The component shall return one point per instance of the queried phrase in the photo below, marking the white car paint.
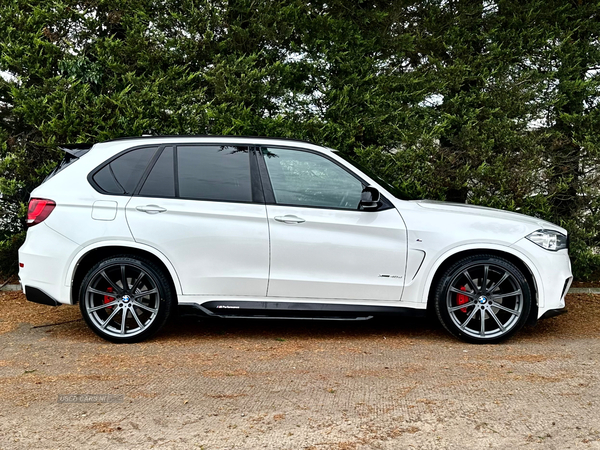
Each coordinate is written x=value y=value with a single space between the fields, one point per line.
x=351 y=255
x=216 y=250
x=467 y=227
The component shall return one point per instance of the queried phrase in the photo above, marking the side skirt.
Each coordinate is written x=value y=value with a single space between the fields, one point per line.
x=296 y=310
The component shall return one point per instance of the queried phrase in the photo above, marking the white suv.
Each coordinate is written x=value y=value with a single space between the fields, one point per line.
x=257 y=227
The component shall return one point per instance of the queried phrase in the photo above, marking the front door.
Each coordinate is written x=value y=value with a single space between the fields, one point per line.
x=323 y=245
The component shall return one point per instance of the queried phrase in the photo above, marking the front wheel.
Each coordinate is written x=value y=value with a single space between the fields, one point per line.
x=483 y=299
x=125 y=299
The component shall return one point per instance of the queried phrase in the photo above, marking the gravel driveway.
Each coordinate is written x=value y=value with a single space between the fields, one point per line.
x=215 y=384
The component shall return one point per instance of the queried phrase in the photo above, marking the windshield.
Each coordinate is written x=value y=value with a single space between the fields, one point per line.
x=390 y=187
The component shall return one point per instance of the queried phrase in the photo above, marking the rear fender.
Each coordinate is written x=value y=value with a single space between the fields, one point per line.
x=125 y=245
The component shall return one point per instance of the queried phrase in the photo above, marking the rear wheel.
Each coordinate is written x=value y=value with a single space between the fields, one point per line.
x=483 y=299
x=125 y=299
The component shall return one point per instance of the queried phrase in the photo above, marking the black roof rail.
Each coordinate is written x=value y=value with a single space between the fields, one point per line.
x=79 y=146
x=203 y=136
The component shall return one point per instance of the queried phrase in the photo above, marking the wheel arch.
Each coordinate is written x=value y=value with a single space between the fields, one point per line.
x=86 y=258
x=520 y=261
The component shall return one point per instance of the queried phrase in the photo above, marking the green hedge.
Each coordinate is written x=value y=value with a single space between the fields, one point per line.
x=486 y=102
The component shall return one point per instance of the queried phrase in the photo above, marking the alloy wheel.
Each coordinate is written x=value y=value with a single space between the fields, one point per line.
x=122 y=300
x=485 y=301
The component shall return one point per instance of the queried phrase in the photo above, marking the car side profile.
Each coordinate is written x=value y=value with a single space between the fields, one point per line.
x=131 y=229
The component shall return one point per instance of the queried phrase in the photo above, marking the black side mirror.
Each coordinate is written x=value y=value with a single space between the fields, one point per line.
x=369 y=198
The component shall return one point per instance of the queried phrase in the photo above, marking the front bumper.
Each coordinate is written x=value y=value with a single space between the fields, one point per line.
x=552 y=274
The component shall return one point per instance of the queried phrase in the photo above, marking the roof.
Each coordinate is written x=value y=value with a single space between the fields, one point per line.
x=163 y=136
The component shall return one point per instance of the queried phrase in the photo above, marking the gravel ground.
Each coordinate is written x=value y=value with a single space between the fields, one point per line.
x=214 y=384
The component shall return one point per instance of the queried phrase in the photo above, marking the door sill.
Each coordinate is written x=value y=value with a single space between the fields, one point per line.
x=296 y=310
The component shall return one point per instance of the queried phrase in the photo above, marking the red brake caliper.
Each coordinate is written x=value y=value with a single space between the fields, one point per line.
x=460 y=299
x=108 y=299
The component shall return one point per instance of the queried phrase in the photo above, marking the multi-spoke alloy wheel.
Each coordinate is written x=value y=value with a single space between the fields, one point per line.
x=125 y=299
x=483 y=299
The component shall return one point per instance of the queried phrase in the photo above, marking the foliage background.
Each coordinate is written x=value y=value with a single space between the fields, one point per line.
x=479 y=101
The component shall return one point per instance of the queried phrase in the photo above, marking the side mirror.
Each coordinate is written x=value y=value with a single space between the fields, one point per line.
x=369 y=198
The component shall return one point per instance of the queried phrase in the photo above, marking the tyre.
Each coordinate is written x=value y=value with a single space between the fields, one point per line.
x=125 y=299
x=483 y=299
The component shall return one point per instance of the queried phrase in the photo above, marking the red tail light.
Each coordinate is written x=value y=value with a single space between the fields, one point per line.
x=39 y=209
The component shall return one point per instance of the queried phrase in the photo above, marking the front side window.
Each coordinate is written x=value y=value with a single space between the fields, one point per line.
x=308 y=179
x=122 y=174
x=214 y=172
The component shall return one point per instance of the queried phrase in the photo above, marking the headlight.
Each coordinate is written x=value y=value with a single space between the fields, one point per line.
x=548 y=239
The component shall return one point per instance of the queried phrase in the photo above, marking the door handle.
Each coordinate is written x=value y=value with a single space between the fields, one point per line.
x=150 y=209
x=289 y=219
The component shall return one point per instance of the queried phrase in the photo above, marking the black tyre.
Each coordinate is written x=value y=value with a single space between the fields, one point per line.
x=125 y=299
x=483 y=299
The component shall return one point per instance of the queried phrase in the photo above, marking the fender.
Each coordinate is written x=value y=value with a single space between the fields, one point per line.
x=432 y=268
x=132 y=244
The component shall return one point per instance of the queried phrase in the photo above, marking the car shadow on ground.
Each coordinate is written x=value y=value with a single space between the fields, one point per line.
x=193 y=327
x=582 y=320
x=196 y=326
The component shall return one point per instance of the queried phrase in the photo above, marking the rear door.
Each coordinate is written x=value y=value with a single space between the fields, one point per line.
x=322 y=244
x=202 y=207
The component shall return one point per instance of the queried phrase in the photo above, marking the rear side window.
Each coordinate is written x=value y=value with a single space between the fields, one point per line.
x=122 y=175
x=161 y=180
x=214 y=172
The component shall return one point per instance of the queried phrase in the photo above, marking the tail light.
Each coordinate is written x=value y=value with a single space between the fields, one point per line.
x=39 y=209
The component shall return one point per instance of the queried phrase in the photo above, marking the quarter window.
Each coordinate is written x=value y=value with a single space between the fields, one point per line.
x=121 y=175
x=307 y=179
x=214 y=172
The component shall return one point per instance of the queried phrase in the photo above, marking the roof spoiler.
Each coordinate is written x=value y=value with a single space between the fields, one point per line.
x=72 y=153
x=75 y=151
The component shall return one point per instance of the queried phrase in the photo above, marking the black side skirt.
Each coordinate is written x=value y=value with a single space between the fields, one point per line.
x=297 y=310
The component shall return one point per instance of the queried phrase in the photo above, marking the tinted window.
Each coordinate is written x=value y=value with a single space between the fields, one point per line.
x=106 y=180
x=161 y=180
x=307 y=179
x=123 y=174
x=214 y=172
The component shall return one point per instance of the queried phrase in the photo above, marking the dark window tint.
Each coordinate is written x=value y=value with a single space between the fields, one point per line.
x=122 y=175
x=129 y=168
x=106 y=180
x=214 y=172
x=307 y=179
x=161 y=180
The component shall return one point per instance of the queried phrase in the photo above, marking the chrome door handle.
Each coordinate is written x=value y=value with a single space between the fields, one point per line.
x=150 y=209
x=289 y=219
